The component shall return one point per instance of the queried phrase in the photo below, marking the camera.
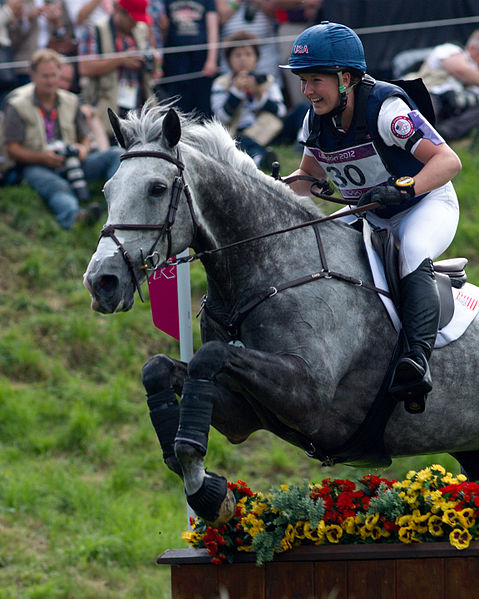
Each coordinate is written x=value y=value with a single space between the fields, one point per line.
x=73 y=172
x=148 y=62
x=250 y=10
x=260 y=79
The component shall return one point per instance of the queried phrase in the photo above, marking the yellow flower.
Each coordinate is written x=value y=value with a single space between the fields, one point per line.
x=450 y=517
x=371 y=521
x=191 y=537
x=404 y=520
x=349 y=526
x=424 y=475
x=284 y=488
x=289 y=533
x=247 y=548
x=310 y=533
x=285 y=544
x=258 y=508
x=410 y=474
x=406 y=534
x=435 y=526
x=460 y=538
x=461 y=478
x=299 y=530
x=377 y=533
x=420 y=521
x=333 y=533
x=466 y=517
x=439 y=468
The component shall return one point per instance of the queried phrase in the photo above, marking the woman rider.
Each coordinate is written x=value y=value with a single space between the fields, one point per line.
x=371 y=141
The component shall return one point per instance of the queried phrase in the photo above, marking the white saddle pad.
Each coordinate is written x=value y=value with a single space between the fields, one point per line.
x=466 y=299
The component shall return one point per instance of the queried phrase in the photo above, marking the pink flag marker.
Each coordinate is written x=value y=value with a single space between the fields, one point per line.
x=163 y=286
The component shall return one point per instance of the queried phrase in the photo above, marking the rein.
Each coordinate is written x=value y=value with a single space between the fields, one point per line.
x=179 y=185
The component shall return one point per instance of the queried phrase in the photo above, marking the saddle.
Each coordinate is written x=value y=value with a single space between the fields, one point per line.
x=449 y=273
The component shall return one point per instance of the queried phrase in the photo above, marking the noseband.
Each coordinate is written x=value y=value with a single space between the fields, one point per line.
x=151 y=261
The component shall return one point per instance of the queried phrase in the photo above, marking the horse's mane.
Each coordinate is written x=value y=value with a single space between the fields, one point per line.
x=209 y=137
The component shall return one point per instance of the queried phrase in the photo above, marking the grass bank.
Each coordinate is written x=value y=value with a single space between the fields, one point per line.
x=85 y=502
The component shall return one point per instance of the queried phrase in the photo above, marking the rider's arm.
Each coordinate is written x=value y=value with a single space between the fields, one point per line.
x=309 y=166
x=396 y=127
x=441 y=164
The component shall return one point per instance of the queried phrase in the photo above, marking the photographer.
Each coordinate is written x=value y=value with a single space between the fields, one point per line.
x=250 y=105
x=45 y=133
x=121 y=82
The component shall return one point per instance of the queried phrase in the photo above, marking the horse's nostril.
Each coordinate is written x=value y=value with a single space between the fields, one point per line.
x=108 y=283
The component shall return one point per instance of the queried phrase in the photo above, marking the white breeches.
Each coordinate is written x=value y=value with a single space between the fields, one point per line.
x=424 y=231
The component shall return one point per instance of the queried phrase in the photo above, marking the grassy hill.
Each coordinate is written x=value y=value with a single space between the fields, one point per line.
x=85 y=501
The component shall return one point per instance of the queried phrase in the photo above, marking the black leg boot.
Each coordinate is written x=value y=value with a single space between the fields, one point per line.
x=411 y=381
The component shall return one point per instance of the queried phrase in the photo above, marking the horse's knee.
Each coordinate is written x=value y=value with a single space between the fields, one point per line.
x=208 y=360
x=156 y=373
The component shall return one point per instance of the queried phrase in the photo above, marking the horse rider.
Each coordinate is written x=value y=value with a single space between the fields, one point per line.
x=371 y=140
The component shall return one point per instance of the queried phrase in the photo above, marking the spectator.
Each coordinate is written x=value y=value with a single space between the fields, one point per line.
x=451 y=75
x=293 y=16
x=42 y=21
x=43 y=123
x=190 y=23
x=10 y=12
x=251 y=105
x=86 y=13
x=98 y=137
x=121 y=83
x=256 y=17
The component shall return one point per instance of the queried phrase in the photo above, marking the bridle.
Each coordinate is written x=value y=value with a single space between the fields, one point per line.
x=151 y=260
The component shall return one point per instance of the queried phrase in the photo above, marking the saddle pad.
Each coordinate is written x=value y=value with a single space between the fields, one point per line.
x=466 y=299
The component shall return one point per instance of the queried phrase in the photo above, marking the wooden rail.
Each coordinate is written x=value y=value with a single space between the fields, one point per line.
x=376 y=571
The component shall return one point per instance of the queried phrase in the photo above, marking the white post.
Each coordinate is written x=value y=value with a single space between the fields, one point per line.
x=186 y=330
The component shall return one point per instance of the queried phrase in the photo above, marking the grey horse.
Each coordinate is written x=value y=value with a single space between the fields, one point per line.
x=303 y=360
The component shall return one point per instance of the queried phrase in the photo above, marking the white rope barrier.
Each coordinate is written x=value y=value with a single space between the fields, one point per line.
x=263 y=41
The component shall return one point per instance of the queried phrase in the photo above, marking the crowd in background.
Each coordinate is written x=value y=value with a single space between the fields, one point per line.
x=170 y=48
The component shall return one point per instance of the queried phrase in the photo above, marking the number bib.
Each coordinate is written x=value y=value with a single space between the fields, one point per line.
x=353 y=170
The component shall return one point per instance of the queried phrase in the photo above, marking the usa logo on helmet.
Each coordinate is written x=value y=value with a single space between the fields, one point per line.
x=300 y=49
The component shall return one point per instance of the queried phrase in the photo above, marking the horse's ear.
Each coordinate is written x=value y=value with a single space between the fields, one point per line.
x=171 y=128
x=116 y=126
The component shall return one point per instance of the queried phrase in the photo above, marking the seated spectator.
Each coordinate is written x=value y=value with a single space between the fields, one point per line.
x=451 y=75
x=188 y=24
x=256 y=17
x=121 y=83
x=44 y=129
x=251 y=105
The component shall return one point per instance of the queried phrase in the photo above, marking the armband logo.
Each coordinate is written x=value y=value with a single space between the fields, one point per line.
x=402 y=127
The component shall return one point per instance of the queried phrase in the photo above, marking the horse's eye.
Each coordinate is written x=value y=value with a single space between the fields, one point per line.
x=157 y=188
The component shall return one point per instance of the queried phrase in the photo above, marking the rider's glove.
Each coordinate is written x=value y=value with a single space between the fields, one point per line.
x=396 y=192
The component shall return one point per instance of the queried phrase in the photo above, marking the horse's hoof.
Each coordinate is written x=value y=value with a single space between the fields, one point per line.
x=214 y=502
x=227 y=510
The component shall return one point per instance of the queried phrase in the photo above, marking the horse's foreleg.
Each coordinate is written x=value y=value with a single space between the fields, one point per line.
x=162 y=376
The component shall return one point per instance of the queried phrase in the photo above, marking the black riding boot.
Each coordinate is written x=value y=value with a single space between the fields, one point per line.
x=411 y=381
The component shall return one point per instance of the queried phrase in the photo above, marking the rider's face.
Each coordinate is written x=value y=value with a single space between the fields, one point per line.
x=321 y=89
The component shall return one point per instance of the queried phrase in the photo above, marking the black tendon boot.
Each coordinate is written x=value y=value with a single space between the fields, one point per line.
x=411 y=381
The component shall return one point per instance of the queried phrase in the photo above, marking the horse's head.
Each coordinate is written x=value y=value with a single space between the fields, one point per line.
x=146 y=200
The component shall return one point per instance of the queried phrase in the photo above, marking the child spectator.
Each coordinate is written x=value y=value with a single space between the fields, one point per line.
x=251 y=105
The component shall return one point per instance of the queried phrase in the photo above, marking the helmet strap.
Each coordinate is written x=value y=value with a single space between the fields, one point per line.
x=343 y=100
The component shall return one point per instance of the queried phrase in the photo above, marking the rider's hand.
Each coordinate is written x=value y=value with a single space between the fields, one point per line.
x=395 y=193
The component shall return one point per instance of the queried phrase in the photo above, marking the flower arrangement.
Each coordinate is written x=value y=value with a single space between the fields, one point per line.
x=429 y=505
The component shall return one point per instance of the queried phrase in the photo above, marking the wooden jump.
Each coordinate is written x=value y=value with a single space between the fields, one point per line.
x=374 y=571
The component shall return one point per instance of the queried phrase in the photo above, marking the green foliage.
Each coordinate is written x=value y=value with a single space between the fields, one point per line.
x=296 y=505
x=86 y=503
x=387 y=503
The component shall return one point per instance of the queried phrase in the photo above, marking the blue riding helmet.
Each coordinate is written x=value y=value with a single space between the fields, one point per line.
x=329 y=47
